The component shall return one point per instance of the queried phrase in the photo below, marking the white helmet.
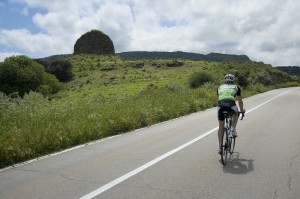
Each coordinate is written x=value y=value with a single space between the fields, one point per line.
x=229 y=78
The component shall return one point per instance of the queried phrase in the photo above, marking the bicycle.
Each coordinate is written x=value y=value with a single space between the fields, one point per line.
x=228 y=140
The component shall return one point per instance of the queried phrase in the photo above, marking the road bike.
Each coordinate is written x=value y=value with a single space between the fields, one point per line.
x=228 y=140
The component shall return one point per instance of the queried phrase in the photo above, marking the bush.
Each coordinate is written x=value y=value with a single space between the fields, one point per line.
x=200 y=78
x=259 y=88
x=62 y=69
x=20 y=74
x=50 y=86
x=243 y=82
x=288 y=84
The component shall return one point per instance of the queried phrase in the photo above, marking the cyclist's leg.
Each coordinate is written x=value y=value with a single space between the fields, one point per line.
x=220 y=135
x=235 y=117
x=221 y=120
x=220 y=131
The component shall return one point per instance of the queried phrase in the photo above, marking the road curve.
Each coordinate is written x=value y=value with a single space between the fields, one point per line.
x=177 y=159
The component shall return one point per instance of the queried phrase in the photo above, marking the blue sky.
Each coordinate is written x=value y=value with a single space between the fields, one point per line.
x=266 y=31
x=14 y=16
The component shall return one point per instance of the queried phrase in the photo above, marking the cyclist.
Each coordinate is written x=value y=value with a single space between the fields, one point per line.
x=228 y=93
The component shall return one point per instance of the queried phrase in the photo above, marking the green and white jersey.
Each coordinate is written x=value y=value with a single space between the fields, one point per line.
x=228 y=92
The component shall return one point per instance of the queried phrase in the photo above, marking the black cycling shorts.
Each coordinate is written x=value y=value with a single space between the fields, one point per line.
x=229 y=106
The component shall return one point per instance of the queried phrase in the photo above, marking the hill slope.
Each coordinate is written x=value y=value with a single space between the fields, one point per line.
x=217 y=57
x=110 y=95
x=291 y=70
x=140 y=55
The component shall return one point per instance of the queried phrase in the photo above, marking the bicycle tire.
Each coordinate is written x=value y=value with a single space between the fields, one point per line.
x=224 y=151
x=232 y=144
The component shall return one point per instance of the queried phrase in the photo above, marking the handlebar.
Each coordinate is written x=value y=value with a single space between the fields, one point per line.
x=243 y=114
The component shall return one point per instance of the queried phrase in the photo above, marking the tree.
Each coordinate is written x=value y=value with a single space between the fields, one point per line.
x=21 y=74
x=62 y=69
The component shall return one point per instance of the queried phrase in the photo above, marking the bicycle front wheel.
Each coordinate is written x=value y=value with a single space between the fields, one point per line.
x=224 y=146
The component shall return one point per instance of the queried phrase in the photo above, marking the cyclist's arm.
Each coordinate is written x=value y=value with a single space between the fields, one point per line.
x=240 y=99
x=240 y=102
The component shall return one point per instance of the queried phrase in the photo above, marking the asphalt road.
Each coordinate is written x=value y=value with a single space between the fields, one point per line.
x=177 y=159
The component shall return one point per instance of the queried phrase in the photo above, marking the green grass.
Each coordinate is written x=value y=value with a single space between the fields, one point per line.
x=35 y=126
x=110 y=96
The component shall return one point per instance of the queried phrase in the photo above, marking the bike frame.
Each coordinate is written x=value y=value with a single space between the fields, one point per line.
x=228 y=141
x=227 y=137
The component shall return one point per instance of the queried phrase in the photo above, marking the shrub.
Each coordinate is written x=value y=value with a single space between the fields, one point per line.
x=259 y=88
x=200 y=78
x=62 y=69
x=20 y=74
x=242 y=81
x=288 y=84
x=50 y=85
x=173 y=87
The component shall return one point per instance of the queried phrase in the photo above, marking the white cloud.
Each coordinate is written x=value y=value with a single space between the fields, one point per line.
x=32 y=43
x=5 y=55
x=264 y=30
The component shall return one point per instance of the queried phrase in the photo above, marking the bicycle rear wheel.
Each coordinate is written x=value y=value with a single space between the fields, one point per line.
x=232 y=145
x=224 y=146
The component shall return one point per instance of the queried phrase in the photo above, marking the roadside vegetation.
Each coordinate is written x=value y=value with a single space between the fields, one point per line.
x=103 y=96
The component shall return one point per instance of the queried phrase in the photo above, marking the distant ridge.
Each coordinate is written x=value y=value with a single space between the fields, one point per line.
x=291 y=70
x=139 y=55
x=218 y=57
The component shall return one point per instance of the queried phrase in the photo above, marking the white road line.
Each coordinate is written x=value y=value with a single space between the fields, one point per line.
x=143 y=167
x=55 y=154
x=156 y=160
x=266 y=102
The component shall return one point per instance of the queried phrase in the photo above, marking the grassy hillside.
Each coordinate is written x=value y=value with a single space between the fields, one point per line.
x=291 y=70
x=109 y=96
x=217 y=57
x=113 y=76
